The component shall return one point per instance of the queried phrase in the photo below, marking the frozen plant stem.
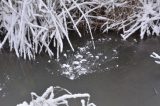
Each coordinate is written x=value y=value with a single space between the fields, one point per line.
x=48 y=98
x=155 y=56
x=30 y=26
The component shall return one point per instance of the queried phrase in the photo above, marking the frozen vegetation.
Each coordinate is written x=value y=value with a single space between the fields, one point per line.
x=32 y=26
x=48 y=98
x=156 y=56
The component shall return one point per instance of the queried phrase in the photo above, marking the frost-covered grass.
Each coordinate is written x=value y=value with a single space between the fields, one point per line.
x=146 y=20
x=48 y=98
x=32 y=26
x=143 y=17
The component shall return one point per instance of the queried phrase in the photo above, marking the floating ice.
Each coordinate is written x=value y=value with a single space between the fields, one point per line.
x=117 y=65
x=100 y=54
x=65 y=55
x=65 y=66
x=115 y=51
x=78 y=56
x=76 y=62
x=49 y=61
x=82 y=49
x=85 y=61
x=97 y=57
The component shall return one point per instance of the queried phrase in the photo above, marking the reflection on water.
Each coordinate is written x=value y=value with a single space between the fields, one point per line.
x=123 y=74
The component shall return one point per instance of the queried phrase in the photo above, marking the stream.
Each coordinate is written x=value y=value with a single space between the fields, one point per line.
x=115 y=73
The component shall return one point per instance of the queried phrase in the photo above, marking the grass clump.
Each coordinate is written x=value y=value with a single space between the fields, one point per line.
x=32 y=26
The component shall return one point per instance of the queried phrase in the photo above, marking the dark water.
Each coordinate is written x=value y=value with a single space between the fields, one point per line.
x=123 y=74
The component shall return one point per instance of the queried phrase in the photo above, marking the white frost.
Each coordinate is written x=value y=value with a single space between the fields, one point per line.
x=156 y=56
x=65 y=66
x=49 y=61
x=97 y=57
x=48 y=98
x=32 y=25
x=78 y=56
x=76 y=62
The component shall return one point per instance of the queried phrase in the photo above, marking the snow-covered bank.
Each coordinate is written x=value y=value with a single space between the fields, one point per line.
x=29 y=27
x=48 y=98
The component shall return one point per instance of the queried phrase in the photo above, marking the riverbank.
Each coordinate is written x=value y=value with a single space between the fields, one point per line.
x=30 y=27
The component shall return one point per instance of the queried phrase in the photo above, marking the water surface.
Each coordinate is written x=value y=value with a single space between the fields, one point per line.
x=116 y=73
